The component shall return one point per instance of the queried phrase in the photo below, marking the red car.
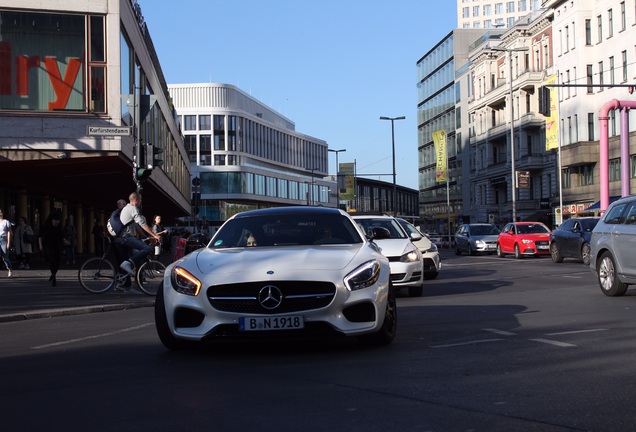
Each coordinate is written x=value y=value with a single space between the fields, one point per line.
x=524 y=239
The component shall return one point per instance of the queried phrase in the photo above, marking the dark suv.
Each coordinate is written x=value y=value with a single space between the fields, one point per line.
x=612 y=247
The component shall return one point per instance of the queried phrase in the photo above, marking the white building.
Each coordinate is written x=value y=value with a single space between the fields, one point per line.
x=246 y=155
x=493 y=13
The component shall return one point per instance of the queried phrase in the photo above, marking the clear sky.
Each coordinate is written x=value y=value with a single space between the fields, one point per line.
x=333 y=67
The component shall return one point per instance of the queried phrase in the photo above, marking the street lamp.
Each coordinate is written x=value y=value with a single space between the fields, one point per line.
x=512 y=130
x=393 y=148
x=337 y=175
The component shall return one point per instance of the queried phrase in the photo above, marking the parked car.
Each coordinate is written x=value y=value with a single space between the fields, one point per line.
x=405 y=258
x=476 y=238
x=524 y=239
x=430 y=254
x=572 y=239
x=612 y=247
x=279 y=271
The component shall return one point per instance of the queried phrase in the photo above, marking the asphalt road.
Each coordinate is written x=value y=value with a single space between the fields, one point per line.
x=493 y=345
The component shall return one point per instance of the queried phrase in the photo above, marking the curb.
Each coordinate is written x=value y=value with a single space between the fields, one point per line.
x=81 y=310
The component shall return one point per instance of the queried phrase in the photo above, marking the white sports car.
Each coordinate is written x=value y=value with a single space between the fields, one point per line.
x=279 y=271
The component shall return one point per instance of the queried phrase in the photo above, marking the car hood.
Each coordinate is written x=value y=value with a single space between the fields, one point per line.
x=486 y=238
x=393 y=247
x=535 y=236
x=278 y=260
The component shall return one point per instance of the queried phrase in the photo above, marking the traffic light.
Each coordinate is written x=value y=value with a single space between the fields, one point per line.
x=142 y=173
x=544 y=101
x=153 y=156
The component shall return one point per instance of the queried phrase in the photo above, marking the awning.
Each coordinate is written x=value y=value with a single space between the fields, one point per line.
x=597 y=204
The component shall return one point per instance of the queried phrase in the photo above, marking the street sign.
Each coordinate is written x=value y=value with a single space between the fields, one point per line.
x=109 y=130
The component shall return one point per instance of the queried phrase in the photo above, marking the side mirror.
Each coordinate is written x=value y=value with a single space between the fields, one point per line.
x=415 y=237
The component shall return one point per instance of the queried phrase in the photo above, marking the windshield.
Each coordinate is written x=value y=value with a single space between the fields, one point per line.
x=532 y=229
x=391 y=224
x=484 y=230
x=286 y=230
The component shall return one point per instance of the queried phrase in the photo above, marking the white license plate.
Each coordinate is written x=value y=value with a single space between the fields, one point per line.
x=271 y=323
x=491 y=247
x=542 y=247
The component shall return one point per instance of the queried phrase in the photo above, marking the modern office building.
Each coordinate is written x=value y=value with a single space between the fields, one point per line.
x=438 y=95
x=489 y=14
x=244 y=155
x=595 y=63
x=80 y=87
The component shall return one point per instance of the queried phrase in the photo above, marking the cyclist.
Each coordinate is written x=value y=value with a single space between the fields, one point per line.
x=137 y=248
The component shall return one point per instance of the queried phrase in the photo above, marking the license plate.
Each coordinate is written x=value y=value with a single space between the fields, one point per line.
x=271 y=323
x=542 y=247
x=491 y=247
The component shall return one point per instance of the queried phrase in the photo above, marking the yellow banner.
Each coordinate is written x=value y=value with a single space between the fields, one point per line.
x=552 y=122
x=439 y=139
x=349 y=170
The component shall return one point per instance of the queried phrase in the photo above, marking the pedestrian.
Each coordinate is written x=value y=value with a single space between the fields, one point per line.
x=51 y=243
x=132 y=218
x=23 y=242
x=69 y=242
x=6 y=240
x=98 y=237
x=157 y=228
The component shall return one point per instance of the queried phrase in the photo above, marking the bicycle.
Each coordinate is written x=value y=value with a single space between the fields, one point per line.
x=99 y=274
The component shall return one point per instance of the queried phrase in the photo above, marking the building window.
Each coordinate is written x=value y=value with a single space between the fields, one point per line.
x=565 y=178
x=632 y=164
x=611 y=70
x=599 y=20
x=498 y=8
x=487 y=10
x=590 y=79
x=219 y=133
x=588 y=32
x=601 y=80
x=624 y=55
x=614 y=170
x=189 y=122
x=590 y=126
x=475 y=11
x=205 y=122
x=623 y=17
x=219 y=159
x=585 y=175
x=610 y=23
x=510 y=7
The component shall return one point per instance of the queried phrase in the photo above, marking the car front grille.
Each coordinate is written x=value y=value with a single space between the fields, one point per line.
x=296 y=296
x=542 y=243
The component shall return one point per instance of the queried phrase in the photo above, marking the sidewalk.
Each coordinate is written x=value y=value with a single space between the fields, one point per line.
x=28 y=294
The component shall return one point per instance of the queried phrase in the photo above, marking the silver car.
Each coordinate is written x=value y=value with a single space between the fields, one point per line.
x=476 y=238
x=287 y=271
x=612 y=247
x=430 y=254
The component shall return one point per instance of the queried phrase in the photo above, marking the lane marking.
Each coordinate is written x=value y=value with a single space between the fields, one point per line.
x=70 y=341
x=475 y=342
x=552 y=342
x=576 y=331
x=500 y=332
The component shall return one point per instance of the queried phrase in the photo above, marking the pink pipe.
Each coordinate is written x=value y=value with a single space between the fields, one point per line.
x=604 y=148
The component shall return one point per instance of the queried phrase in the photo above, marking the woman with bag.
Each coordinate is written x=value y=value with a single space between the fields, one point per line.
x=23 y=242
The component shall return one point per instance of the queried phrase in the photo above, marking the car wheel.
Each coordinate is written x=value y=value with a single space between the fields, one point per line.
x=554 y=253
x=518 y=254
x=416 y=291
x=500 y=253
x=389 y=327
x=585 y=254
x=607 y=277
x=163 y=330
x=431 y=275
x=470 y=250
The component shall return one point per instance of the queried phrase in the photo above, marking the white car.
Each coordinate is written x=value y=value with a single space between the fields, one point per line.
x=430 y=254
x=398 y=247
x=296 y=271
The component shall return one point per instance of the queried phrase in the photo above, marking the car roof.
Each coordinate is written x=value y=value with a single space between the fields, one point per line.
x=298 y=210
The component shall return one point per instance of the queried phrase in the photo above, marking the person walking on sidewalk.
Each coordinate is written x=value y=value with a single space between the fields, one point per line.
x=5 y=241
x=50 y=241
x=23 y=242
x=137 y=248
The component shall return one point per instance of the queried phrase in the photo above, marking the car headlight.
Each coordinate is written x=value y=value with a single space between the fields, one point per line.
x=480 y=243
x=364 y=276
x=526 y=241
x=410 y=255
x=183 y=282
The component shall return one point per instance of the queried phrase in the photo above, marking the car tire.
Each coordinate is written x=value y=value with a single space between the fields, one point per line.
x=163 y=330
x=416 y=291
x=518 y=254
x=385 y=335
x=500 y=253
x=607 y=277
x=585 y=253
x=554 y=253
x=470 y=250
